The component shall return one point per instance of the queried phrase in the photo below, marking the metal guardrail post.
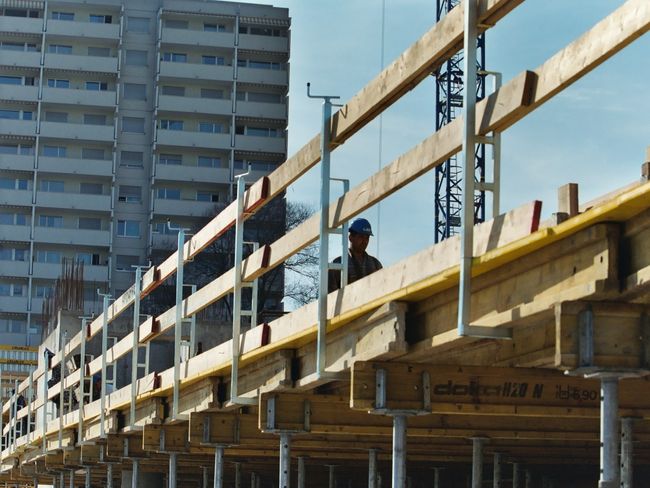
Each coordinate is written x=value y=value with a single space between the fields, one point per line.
x=102 y=396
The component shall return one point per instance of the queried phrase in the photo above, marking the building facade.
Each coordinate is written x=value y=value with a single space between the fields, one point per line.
x=117 y=116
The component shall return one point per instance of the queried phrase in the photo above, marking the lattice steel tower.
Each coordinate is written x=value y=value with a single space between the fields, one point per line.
x=449 y=101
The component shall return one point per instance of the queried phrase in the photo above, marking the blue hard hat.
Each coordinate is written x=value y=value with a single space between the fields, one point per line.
x=361 y=226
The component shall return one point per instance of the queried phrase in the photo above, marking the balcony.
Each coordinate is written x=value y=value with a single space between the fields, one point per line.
x=61 y=130
x=88 y=98
x=181 y=138
x=262 y=110
x=52 y=271
x=185 y=208
x=20 y=58
x=82 y=30
x=76 y=62
x=14 y=268
x=15 y=233
x=198 y=38
x=260 y=144
x=16 y=197
x=90 y=167
x=18 y=127
x=264 y=43
x=101 y=203
x=194 y=105
x=79 y=237
x=263 y=76
x=196 y=71
x=19 y=93
x=16 y=162
x=179 y=172
x=13 y=304
x=164 y=241
x=19 y=25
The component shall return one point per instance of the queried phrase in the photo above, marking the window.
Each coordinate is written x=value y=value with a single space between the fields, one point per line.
x=59 y=49
x=214 y=27
x=171 y=124
x=51 y=186
x=175 y=57
x=100 y=19
x=50 y=221
x=211 y=93
x=128 y=228
x=102 y=52
x=177 y=91
x=12 y=219
x=264 y=97
x=92 y=153
x=22 y=149
x=267 y=31
x=54 y=151
x=135 y=57
x=88 y=258
x=11 y=80
x=209 y=162
x=13 y=184
x=18 y=46
x=174 y=159
x=135 y=91
x=10 y=114
x=94 y=119
x=132 y=159
x=130 y=194
x=53 y=257
x=55 y=83
x=43 y=291
x=169 y=193
x=133 y=124
x=176 y=24
x=89 y=223
x=259 y=131
x=219 y=60
x=204 y=196
x=63 y=15
x=96 y=85
x=56 y=116
x=14 y=326
x=124 y=262
x=91 y=188
x=212 y=127
x=138 y=24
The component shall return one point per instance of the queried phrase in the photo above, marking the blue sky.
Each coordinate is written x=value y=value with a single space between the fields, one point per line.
x=595 y=133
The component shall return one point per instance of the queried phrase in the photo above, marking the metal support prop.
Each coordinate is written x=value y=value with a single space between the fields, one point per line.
x=82 y=379
x=171 y=481
x=236 y=302
x=323 y=240
x=14 y=415
x=62 y=479
x=61 y=389
x=477 y=459
x=136 y=340
x=468 y=158
x=254 y=285
x=515 y=475
x=496 y=479
x=102 y=395
x=372 y=468
x=237 y=475
x=332 y=478
x=72 y=478
x=87 y=480
x=193 y=289
x=399 y=451
x=436 y=477
x=344 y=239
x=627 y=451
x=285 y=460
x=218 y=467
x=35 y=482
x=204 y=470
x=45 y=402
x=609 y=436
x=109 y=475
x=301 y=472
x=135 y=473
x=30 y=399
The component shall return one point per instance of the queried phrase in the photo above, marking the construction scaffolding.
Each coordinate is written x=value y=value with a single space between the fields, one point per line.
x=386 y=388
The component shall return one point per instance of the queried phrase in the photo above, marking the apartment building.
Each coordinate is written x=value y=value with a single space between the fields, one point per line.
x=117 y=116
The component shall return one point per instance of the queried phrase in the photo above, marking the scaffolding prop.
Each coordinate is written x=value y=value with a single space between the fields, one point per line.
x=102 y=396
x=136 y=341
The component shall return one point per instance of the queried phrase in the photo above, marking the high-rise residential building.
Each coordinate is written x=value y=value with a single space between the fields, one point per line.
x=117 y=116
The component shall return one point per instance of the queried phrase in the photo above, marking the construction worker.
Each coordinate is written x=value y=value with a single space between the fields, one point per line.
x=360 y=263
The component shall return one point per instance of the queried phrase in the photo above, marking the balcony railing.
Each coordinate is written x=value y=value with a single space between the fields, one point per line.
x=260 y=144
x=195 y=105
x=81 y=63
x=91 y=167
x=73 y=201
x=83 y=30
x=196 y=71
x=18 y=93
x=198 y=38
x=65 y=235
x=79 y=97
x=192 y=173
x=186 y=208
x=16 y=197
x=15 y=233
x=62 y=130
x=16 y=162
x=13 y=304
x=193 y=139
x=9 y=127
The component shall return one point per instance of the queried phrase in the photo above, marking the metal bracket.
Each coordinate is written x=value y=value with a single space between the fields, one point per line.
x=381 y=405
x=586 y=337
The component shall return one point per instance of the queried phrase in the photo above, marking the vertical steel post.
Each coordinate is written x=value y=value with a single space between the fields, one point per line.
x=301 y=472
x=609 y=435
x=627 y=451
x=515 y=475
x=109 y=475
x=331 y=481
x=72 y=478
x=136 y=340
x=35 y=482
x=135 y=473
x=496 y=480
x=171 y=482
x=204 y=484
x=30 y=399
x=62 y=479
x=372 y=468
x=45 y=402
x=192 y=328
x=285 y=460
x=237 y=475
x=61 y=389
x=102 y=402
x=218 y=467
x=436 y=477
x=399 y=451
x=87 y=479
x=179 y=322
x=82 y=380
x=477 y=456
x=496 y=159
